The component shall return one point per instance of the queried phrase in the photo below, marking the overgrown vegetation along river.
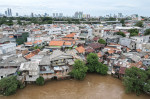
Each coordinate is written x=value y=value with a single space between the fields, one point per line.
x=92 y=87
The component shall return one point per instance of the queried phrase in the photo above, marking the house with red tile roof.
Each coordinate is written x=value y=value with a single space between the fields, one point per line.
x=80 y=49
x=56 y=43
x=31 y=54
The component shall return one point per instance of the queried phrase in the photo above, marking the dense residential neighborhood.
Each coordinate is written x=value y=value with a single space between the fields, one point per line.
x=50 y=51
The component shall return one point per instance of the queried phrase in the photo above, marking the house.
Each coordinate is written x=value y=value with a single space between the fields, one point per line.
x=11 y=61
x=6 y=72
x=75 y=54
x=8 y=48
x=68 y=44
x=89 y=50
x=46 y=70
x=95 y=39
x=56 y=44
x=128 y=43
x=70 y=36
x=80 y=50
x=29 y=71
x=96 y=46
x=5 y=40
x=85 y=34
x=28 y=44
x=122 y=72
x=22 y=51
x=61 y=63
x=31 y=54
x=146 y=62
x=113 y=39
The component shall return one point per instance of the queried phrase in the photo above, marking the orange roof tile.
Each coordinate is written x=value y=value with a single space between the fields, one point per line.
x=99 y=54
x=28 y=43
x=70 y=35
x=37 y=41
x=138 y=50
x=35 y=30
x=32 y=53
x=111 y=51
x=67 y=39
x=146 y=56
x=80 y=49
x=113 y=44
x=11 y=36
x=56 y=43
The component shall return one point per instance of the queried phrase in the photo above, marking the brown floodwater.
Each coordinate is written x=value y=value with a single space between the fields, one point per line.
x=93 y=87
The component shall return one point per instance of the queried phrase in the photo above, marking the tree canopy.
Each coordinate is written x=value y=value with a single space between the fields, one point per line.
x=139 y=24
x=121 y=33
x=101 y=41
x=133 y=32
x=40 y=81
x=8 y=85
x=94 y=65
x=136 y=80
x=79 y=70
x=92 y=62
x=147 y=32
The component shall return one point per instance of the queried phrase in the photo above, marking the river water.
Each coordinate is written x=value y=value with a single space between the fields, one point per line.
x=93 y=87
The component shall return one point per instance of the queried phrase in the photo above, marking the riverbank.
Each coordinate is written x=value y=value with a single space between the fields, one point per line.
x=93 y=86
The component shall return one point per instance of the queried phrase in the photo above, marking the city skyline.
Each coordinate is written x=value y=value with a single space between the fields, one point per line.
x=68 y=8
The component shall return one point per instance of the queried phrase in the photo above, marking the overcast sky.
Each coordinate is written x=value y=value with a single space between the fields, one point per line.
x=68 y=7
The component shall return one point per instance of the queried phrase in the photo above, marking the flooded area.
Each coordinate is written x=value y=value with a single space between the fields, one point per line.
x=93 y=87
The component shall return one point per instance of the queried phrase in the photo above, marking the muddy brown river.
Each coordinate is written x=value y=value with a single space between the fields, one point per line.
x=93 y=87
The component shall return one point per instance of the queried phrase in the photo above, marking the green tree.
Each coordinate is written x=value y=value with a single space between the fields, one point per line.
x=122 y=21
x=79 y=70
x=134 y=80
x=147 y=32
x=139 y=24
x=133 y=32
x=92 y=62
x=40 y=81
x=102 y=69
x=19 y=22
x=120 y=33
x=8 y=85
x=22 y=39
x=101 y=41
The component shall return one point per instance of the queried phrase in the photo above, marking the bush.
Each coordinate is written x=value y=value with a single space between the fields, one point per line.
x=40 y=81
x=101 y=41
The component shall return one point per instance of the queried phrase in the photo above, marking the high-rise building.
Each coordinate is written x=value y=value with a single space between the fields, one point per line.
x=10 y=14
x=54 y=15
x=6 y=13
x=120 y=15
x=78 y=15
x=32 y=15
x=17 y=14
x=60 y=15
